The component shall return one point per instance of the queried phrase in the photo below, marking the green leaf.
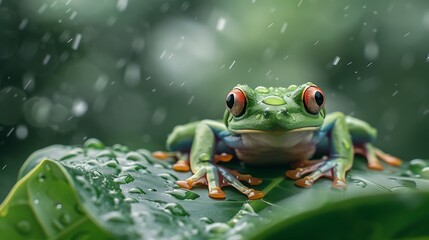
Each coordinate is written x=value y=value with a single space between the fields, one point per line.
x=111 y=192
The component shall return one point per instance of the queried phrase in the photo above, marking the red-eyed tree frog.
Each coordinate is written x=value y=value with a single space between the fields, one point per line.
x=275 y=125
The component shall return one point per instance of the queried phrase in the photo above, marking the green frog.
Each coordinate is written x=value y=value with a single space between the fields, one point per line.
x=272 y=126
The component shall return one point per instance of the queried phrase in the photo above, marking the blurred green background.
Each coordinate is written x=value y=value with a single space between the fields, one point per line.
x=128 y=71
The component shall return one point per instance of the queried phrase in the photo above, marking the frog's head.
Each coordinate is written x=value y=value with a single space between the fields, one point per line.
x=274 y=109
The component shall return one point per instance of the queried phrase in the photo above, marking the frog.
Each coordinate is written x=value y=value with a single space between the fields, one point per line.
x=282 y=126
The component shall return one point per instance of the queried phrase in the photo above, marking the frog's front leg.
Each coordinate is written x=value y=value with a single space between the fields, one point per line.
x=203 y=167
x=340 y=158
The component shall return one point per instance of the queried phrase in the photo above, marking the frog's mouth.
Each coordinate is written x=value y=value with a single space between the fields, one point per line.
x=275 y=132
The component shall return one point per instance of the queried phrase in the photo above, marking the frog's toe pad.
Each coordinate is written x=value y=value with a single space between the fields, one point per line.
x=253 y=194
x=294 y=174
x=375 y=165
x=181 y=166
x=339 y=184
x=185 y=184
x=217 y=193
x=305 y=182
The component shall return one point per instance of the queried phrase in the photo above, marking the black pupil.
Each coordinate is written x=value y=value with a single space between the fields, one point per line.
x=319 y=98
x=230 y=101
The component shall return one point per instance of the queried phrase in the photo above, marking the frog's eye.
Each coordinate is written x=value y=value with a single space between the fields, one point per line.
x=314 y=99
x=236 y=102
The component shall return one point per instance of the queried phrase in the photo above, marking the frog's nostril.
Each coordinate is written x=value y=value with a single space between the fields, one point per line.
x=266 y=112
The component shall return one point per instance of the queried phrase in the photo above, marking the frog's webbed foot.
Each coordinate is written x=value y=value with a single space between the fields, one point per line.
x=182 y=164
x=374 y=155
x=216 y=177
x=334 y=168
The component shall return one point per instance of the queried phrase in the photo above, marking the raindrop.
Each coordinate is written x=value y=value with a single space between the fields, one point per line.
x=120 y=148
x=101 y=83
x=23 y=24
x=159 y=116
x=65 y=219
x=395 y=93
x=46 y=59
x=76 y=41
x=221 y=22
x=113 y=216
x=93 y=143
x=425 y=173
x=168 y=176
x=73 y=15
x=136 y=190
x=105 y=153
x=191 y=100
x=124 y=179
x=336 y=61
x=121 y=5
x=135 y=156
x=217 y=228
x=36 y=201
x=79 y=107
x=132 y=75
x=42 y=177
x=183 y=194
x=130 y=200
x=283 y=29
x=206 y=220
x=371 y=50
x=232 y=64
x=10 y=132
x=58 y=206
x=175 y=209
x=112 y=164
x=21 y=132
x=23 y=226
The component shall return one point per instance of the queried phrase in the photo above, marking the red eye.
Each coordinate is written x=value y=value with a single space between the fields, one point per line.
x=314 y=99
x=236 y=102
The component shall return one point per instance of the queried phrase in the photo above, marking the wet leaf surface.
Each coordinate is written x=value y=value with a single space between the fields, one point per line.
x=113 y=192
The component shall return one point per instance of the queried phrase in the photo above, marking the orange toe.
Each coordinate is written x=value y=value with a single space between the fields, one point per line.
x=339 y=184
x=217 y=193
x=304 y=182
x=160 y=155
x=181 y=166
x=185 y=184
x=294 y=174
x=254 y=194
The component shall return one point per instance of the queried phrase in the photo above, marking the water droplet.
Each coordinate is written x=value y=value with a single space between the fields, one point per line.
x=112 y=164
x=105 y=153
x=425 y=173
x=72 y=153
x=218 y=228
x=42 y=177
x=206 y=220
x=113 y=216
x=65 y=219
x=36 y=201
x=292 y=87
x=136 y=190
x=124 y=179
x=133 y=168
x=120 y=148
x=175 y=209
x=59 y=206
x=358 y=182
x=93 y=143
x=416 y=165
x=130 y=200
x=274 y=100
x=135 y=156
x=168 y=176
x=262 y=89
x=23 y=226
x=183 y=194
